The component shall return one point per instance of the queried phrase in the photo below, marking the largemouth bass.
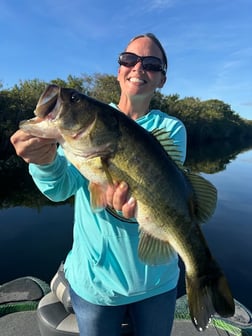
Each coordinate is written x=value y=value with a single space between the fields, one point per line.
x=105 y=146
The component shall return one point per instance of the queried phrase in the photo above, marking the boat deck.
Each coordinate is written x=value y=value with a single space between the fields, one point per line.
x=18 y=314
x=25 y=324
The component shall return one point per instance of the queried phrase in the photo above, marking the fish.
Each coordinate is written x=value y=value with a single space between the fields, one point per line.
x=105 y=145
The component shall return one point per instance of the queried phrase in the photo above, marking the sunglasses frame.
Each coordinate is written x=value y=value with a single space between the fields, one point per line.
x=141 y=59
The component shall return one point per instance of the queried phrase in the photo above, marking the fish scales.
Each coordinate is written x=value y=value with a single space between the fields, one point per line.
x=106 y=146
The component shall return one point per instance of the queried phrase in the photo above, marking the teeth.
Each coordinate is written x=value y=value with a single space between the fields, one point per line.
x=136 y=80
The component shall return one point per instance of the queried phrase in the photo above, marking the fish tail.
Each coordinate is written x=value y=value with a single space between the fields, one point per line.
x=207 y=295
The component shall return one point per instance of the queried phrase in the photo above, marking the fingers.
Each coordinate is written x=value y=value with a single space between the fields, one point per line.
x=110 y=194
x=129 y=208
x=120 y=195
x=118 y=198
x=33 y=149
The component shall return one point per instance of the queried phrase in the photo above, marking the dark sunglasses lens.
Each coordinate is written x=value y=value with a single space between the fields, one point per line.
x=152 y=64
x=149 y=63
x=128 y=60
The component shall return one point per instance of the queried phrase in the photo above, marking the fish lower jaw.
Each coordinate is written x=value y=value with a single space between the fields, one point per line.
x=43 y=129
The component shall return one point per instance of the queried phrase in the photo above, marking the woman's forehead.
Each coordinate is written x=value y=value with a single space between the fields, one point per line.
x=144 y=46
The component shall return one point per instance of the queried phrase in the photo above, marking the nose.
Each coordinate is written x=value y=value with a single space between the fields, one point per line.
x=138 y=65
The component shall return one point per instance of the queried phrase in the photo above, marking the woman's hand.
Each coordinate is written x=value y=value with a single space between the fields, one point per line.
x=118 y=198
x=32 y=149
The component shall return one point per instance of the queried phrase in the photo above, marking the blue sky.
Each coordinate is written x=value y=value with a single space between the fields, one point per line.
x=208 y=42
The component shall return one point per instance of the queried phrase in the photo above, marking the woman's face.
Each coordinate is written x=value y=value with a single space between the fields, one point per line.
x=135 y=81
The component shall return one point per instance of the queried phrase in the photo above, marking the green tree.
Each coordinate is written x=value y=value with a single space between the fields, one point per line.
x=205 y=121
x=105 y=88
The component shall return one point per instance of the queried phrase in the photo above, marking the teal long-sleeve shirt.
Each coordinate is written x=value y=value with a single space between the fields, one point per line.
x=103 y=265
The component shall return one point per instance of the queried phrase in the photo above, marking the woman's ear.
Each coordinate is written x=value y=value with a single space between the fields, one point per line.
x=118 y=73
x=162 y=81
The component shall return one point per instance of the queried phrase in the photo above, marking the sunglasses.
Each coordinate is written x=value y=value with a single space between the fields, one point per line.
x=149 y=63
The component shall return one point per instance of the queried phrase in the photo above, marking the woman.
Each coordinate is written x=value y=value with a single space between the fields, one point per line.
x=105 y=275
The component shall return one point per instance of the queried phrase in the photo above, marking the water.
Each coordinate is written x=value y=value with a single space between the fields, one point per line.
x=34 y=241
x=229 y=232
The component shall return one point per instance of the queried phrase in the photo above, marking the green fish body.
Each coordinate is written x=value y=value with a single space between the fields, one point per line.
x=105 y=146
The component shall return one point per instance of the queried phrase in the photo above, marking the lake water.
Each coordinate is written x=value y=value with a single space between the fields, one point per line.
x=33 y=242
x=229 y=231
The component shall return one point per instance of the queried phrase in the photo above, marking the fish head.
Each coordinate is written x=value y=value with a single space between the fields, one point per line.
x=65 y=108
x=80 y=123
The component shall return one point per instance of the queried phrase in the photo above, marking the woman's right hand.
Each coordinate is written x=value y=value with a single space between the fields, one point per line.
x=118 y=198
x=32 y=149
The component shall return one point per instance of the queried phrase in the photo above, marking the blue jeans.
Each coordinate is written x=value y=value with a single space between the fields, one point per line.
x=149 y=317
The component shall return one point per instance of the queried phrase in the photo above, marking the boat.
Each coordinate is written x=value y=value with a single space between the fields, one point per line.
x=31 y=307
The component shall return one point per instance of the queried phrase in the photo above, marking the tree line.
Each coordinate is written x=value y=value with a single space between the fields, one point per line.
x=206 y=121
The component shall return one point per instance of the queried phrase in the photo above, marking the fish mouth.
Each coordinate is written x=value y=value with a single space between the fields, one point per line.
x=46 y=106
x=51 y=107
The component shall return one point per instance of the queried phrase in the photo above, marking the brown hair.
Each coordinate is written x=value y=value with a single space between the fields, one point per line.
x=157 y=42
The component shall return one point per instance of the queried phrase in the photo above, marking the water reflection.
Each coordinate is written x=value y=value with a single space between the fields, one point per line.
x=214 y=157
x=34 y=242
x=229 y=231
x=36 y=234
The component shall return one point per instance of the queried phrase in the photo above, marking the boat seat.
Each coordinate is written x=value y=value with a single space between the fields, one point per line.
x=54 y=319
x=21 y=294
x=55 y=313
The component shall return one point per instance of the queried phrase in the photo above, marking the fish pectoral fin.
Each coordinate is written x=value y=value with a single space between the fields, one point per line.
x=104 y=163
x=205 y=194
x=98 y=198
x=153 y=251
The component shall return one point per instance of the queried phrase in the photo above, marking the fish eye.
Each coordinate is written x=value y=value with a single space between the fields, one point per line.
x=75 y=97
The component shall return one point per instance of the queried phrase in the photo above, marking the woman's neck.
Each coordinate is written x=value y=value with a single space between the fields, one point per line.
x=133 y=108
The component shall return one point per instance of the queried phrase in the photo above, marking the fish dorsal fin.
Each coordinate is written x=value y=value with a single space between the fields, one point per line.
x=164 y=138
x=205 y=195
x=153 y=251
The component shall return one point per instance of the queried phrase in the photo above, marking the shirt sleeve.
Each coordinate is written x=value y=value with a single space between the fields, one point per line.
x=58 y=180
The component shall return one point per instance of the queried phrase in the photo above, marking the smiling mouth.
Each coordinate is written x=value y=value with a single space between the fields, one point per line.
x=136 y=80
